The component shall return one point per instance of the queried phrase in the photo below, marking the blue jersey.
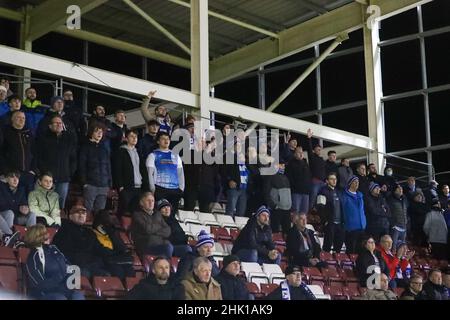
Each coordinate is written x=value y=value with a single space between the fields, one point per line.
x=166 y=165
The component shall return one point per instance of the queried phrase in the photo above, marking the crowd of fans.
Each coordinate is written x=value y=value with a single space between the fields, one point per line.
x=44 y=151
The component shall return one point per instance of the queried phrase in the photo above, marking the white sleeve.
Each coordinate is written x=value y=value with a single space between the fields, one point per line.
x=150 y=162
x=179 y=162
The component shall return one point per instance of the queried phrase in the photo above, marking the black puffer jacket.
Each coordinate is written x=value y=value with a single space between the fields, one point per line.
x=377 y=212
x=299 y=176
x=254 y=237
x=57 y=154
x=94 y=166
x=150 y=289
x=16 y=151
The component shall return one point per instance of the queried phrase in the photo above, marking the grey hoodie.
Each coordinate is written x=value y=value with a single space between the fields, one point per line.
x=435 y=227
x=135 y=161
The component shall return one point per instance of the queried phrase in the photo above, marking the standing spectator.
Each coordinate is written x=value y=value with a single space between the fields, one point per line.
x=373 y=175
x=149 y=231
x=302 y=246
x=178 y=237
x=14 y=104
x=128 y=174
x=445 y=197
x=16 y=152
x=436 y=230
x=254 y=243
x=299 y=175
x=369 y=261
x=414 y=290
x=293 y=288
x=209 y=180
x=433 y=288
x=159 y=284
x=432 y=192
x=362 y=177
x=4 y=81
x=330 y=164
x=418 y=211
x=79 y=244
x=331 y=214
x=98 y=118
x=354 y=215
x=381 y=293
x=148 y=143
x=203 y=248
x=344 y=173
x=56 y=153
x=94 y=169
x=165 y=172
x=161 y=115
x=33 y=109
x=277 y=194
x=389 y=179
x=317 y=165
x=74 y=114
x=114 y=252
x=199 y=285
x=118 y=130
x=410 y=189
x=399 y=212
x=232 y=287
x=4 y=108
x=13 y=198
x=46 y=268
x=44 y=201
x=288 y=149
x=377 y=212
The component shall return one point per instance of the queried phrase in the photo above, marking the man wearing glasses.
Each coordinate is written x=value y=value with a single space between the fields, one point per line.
x=414 y=291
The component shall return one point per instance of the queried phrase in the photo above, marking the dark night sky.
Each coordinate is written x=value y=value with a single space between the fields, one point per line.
x=342 y=80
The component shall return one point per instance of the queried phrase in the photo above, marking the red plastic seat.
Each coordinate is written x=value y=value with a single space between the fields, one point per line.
x=278 y=239
x=147 y=261
x=7 y=256
x=253 y=289
x=174 y=263
x=125 y=239
x=267 y=288
x=22 y=255
x=131 y=282
x=336 y=293
x=348 y=275
x=312 y=273
x=234 y=233
x=318 y=283
x=328 y=258
x=109 y=287
x=137 y=264
x=9 y=278
x=22 y=229
x=221 y=234
x=87 y=288
x=51 y=233
x=331 y=274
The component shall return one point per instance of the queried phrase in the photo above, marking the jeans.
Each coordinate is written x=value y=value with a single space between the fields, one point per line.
x=300 y=202
x=165 y=250
x=316 y=185
x=95 y=197
x=397 y=236
x=236 y=200
x=251 y=255
x=6 y=222
x=62 y=189
x=27 y=220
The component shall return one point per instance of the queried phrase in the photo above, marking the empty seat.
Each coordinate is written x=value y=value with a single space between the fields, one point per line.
x=220 y=233
x=278 y=239
x=318 y=283
x=185 y=228
x=351 y=292
x=312 y=273
x=240 y=221
x=196 y=228
x=274 y=272
x=109 y=287
x=147 y=261
x=87 y=288
x=342 y=259
x=7 y=256
x=188 y=217
x=332 y=275
x=219 y=250
x=174 y=263
x=318 y=292
x=207 y=219
x=268 y=288
x=226 y=221
x=131 y=282
x=253 y=289
x=254 y=273
x=137 y=263
x=9 y=278
x=349 y=275
x=328 y=258
x=336 y=293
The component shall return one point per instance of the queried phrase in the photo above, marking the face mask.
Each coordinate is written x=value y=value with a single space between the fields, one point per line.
x=389 y=172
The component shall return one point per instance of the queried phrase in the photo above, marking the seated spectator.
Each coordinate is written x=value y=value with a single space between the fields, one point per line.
x=292 y=288
x=399 y=211
x=382 y=292
x=199 y=284
x=44 y=201
x=149 y=231
x=369 y=261
x=203 y=248
x=232 y=287
x=433 y=288
x=446 y=281
x=389 y=258
x=414 y=289
x=47 y=268
x=14 y=104
x=56 y=152
x=7 y=235
x=116 y=256
x=159 y=284
x=354 y=215
x=16 y=151
x=178 y=237
x=254 y=243
x=436 y=230
x=404 y=269
x=13 y=197
x=165 y=172
x=418 y=211
x=377 y=212
x=79 y=244
x=128 y=174
x=302 y=247
x=94 y=169
x=329 y=206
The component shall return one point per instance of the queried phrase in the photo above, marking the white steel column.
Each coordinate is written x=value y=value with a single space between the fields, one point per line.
x=200 y=58
x=26 y=45
x=374 y=88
